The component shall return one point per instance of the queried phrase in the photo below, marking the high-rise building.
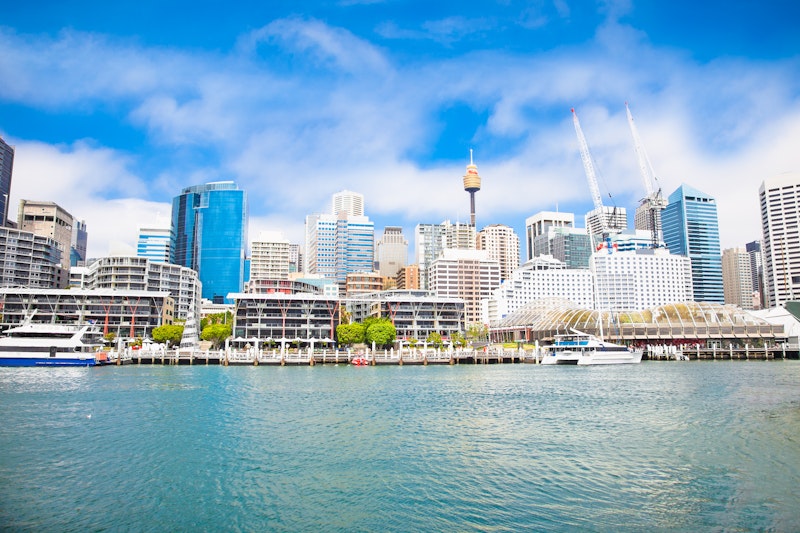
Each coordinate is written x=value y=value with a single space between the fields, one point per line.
x=30 y=260
x=80 y=238
x=640 y=279
x=341 y=243
x=48 y=220
x=537 y=231
x=154 y=244
x=432 y=239
x=737 y=278
x=466 y=274
x=756 y=256
x=407 y=278
x=541 y=277
x=350 y=202
x=616 y=219
x=502 y=245
x=209 y=235
x=391 y=251
x=269 y=257
x=6 y=169
x=691 y=228
x=780 y=219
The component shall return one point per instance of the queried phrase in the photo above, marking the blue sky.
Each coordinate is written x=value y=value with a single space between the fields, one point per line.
x=114 y=107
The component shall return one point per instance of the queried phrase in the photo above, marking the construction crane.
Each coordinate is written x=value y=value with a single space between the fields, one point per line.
x=591 y=177
x=653 y=202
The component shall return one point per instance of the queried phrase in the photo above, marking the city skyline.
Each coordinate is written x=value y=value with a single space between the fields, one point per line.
x=115 y=114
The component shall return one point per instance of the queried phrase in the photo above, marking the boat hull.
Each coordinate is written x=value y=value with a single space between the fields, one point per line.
x=47 y=361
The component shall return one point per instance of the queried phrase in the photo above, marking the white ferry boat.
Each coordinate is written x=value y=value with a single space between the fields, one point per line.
x=51 y=345
x=579 y=348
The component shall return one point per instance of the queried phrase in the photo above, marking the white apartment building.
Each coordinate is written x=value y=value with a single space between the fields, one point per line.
x=541 y=277
x=466 y=274
x=30 y=260
x=130 y=273
x=737 y=278
x=154 y=244
x=270 y=256
x=780 y=223
x=640 y=279
x=502 y=245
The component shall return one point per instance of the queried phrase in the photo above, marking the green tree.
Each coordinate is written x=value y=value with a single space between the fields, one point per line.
x=435 y=339
x=458 y=340
x=382 y=332
x=168 y=332
x=110 y=337
x=477 y=332
x=216 y=333
x=216 y=318
x=350 y=333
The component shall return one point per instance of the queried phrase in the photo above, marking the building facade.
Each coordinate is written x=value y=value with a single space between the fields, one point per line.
x=48 y=220
x=209 y=235
x=466 y=274
x=6 y=170
x=541 y=277
x=349 y=202
x=407 y=278
x=271 y=317
x=153 y=243
x=756 y=255
x=133 y=273
x=80 y=240
x=432 y=239
x=502 y=245
x=616 y=219
x=640 y=279
x=391 y=251
x=30 y=260
x=363 y=283
x=779 y=197
x=737 y=278
x=270 y=257
x=691 y=228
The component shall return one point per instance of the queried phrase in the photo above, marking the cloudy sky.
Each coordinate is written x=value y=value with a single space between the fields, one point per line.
x=114 y=107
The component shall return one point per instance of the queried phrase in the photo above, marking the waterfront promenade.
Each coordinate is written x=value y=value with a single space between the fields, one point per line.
x=420 y=356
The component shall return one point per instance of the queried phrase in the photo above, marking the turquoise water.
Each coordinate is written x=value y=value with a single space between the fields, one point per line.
x=657 y=446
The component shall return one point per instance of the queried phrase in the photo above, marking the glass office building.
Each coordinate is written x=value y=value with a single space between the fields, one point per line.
x=209 y=235
x=691 y=227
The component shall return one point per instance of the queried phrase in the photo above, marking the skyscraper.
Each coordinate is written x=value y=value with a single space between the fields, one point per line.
x=154 y=244
x=6 y=168
x=391 y=251
x=737 y=278
x=691 y=228
x=350 y=202
x=48 y=220
x=472 y=184
x=269 y=256
x=209 y=235
x=502 y=245
x=80 y=238
x=756 y=256
x=780 y=219
x=431 y=240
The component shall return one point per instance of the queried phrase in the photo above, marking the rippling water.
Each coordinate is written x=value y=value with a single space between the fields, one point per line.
x=657 y=446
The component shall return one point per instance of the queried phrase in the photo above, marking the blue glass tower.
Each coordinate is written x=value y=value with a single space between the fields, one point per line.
x=691 y=228
x=209 y=235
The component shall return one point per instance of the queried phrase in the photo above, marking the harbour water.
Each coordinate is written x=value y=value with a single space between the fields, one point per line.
x=670 y=446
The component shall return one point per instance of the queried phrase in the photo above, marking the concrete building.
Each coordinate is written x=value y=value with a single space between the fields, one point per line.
x=6 y=171
x=466 y=274
x=640 y=279
x=616 y=219
x=502 y=245
x=737 y=278
x=780 y=219
x=408 y=278
x=415 y=314
x=126 y=313
x=391 y=251
x=541 y=277
x=756 y=256
x=691 y=228
x=48 y=220
x=363 y=283
x=153 y=243
x=132 y=273
x=295 y=258
x=348 y=202
x=537 y=231
x=270 y=257
x=432 y=239
x=30 y=260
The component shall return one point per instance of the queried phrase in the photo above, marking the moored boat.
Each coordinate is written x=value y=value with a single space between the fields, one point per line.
x=579 y=348
x=32 y=344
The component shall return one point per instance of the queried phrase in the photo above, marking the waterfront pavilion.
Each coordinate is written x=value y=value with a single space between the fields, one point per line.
x=685 y=323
